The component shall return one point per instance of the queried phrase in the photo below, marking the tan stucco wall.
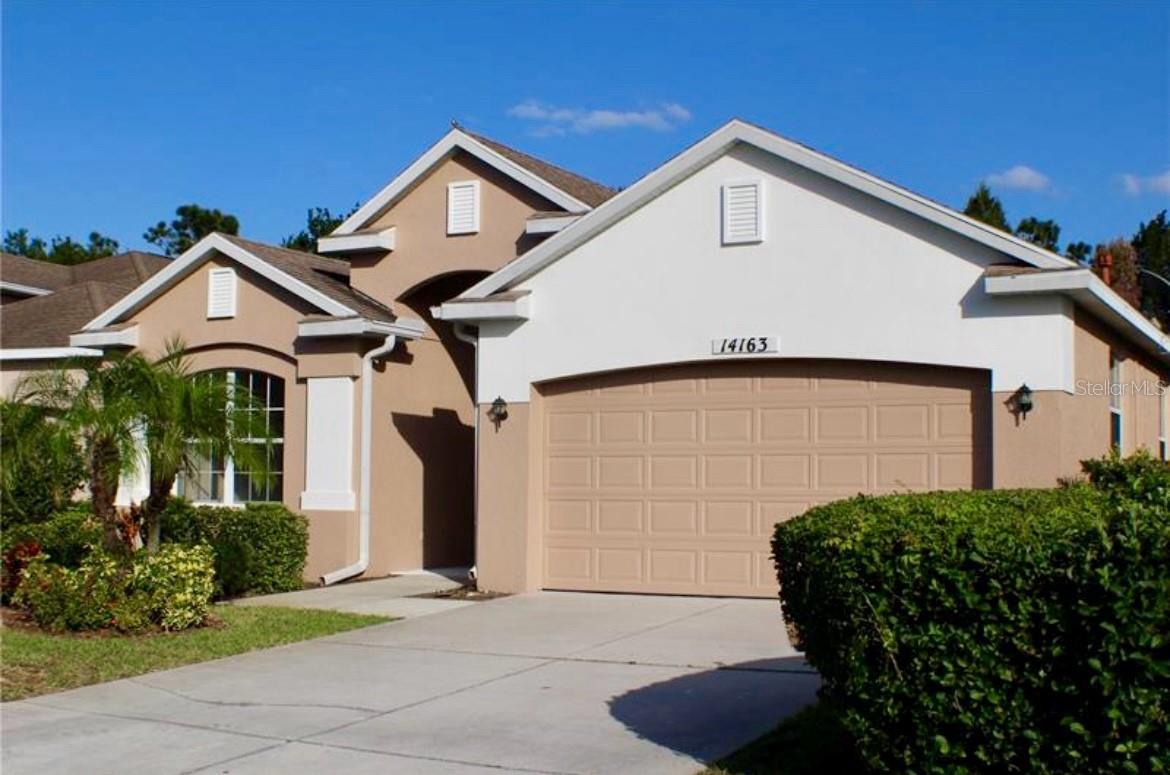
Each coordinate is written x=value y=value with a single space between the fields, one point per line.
x=13 y=372
x=423 y=455
x=262 y=336
x=424 y=250
x=508 y=527
x=1064 y=428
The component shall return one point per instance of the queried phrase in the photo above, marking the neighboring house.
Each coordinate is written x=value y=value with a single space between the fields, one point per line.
x=576 y=388
x=44 y=303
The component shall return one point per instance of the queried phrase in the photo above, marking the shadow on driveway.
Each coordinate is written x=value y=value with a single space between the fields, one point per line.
x=709 y=714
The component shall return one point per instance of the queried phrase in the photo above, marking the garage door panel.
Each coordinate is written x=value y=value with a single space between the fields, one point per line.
x=671 y=480
x=620 y=517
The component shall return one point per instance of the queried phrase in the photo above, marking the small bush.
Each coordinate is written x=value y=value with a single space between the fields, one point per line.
x=16 y=559
x=260 y=548
x=171 y=590
x=40 y=468
x=177 y=583
x=67 y=537
x=993 y=631
x=61 y=598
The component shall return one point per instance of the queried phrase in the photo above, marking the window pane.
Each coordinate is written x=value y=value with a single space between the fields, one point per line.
x=1115 y=429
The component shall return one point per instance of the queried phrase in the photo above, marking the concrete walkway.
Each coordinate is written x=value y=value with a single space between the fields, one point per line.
x=391 y=596
x=549 y=683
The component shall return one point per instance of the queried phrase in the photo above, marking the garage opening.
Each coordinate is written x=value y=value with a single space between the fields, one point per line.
x=670 y=479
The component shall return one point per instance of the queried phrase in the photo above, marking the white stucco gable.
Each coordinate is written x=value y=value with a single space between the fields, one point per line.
x=840 y=273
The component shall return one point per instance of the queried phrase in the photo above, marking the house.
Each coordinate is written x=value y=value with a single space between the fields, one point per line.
x=503 y=363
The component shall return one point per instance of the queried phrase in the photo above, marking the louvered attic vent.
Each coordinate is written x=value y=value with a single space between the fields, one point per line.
x=743 y=212
x=463 y=207
x=221 y=293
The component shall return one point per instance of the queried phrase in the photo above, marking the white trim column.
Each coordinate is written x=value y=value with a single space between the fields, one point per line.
x=329 y=439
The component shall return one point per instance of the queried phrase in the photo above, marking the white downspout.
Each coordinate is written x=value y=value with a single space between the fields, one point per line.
x=363 y=560
x=463 y=334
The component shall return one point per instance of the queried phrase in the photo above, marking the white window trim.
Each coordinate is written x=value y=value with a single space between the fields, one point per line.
x=725 y=214
x=230 y=312
x=1116 y=377
x=1164 y=422
x=451 y=228
x=229 y=465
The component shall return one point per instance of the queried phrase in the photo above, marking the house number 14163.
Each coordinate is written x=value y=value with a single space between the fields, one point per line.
x=745 y=345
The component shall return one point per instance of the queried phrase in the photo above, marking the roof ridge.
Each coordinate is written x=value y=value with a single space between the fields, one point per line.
x=599 y=191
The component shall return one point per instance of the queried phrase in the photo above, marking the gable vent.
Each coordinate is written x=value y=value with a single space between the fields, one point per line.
x=743 y=212
x=221 y=293
x=463 y=207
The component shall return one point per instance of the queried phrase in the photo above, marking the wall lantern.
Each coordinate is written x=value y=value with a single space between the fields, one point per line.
x=498 y=411
x=1023 y=400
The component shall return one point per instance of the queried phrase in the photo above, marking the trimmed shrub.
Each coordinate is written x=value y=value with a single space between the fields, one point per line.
x=16 y=559
x=1002 y=631
x=171 y=590
x=177 y=584
x=67 y=537
x=61 y=598
x=260 y=548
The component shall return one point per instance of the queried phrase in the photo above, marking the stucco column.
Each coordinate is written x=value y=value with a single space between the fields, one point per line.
x=507 y=530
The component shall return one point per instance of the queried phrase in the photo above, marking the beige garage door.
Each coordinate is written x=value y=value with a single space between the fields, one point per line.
x=670 y=479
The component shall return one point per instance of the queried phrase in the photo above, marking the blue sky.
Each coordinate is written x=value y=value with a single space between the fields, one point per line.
x=114 y=113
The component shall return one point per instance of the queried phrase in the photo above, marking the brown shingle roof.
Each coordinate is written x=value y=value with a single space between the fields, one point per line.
x=329 y=276
x=128 y=268
x=47 y=321
x=37 y=274
x=80 y=293
x=588 y=191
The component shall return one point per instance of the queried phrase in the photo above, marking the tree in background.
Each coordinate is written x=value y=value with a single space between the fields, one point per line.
x=59 y=250
x=986 y=207
x=192 y=224
x=1152 y=244
x=1116 y=263
x=318 y=223
x=1046 y=234
x=1081 y=252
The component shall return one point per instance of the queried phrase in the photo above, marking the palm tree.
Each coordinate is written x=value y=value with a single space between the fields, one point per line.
x=188 y=418
x=128 y=411
x=94 y=403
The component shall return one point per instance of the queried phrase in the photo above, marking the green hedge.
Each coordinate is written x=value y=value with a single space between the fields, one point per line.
x=993 y=631
x=66 y=537
x=260 y=548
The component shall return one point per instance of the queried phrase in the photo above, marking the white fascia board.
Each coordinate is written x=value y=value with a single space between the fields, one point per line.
x=406 y=328
x=469 y=311
x=448 y=144
x=1091 y=292
x=123 y=337
x=24 y=290
x=714 y=146
x=191 y=259
x=47 y=353
x=549 y=225
x=353 y=243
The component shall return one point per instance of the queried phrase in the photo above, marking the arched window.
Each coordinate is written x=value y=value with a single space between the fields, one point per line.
x=217 y=479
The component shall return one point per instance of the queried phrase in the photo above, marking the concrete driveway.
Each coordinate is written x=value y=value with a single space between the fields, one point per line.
x=549 y=682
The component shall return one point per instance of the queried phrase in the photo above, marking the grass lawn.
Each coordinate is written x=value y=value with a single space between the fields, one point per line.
x=33 y=662
x=810 y=743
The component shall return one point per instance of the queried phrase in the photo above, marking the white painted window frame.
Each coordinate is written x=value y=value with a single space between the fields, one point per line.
x=222 y=271
x=1164 y=422
x=1116 y=404
x=725 y=214
x=229 y=465
x=452 y=230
